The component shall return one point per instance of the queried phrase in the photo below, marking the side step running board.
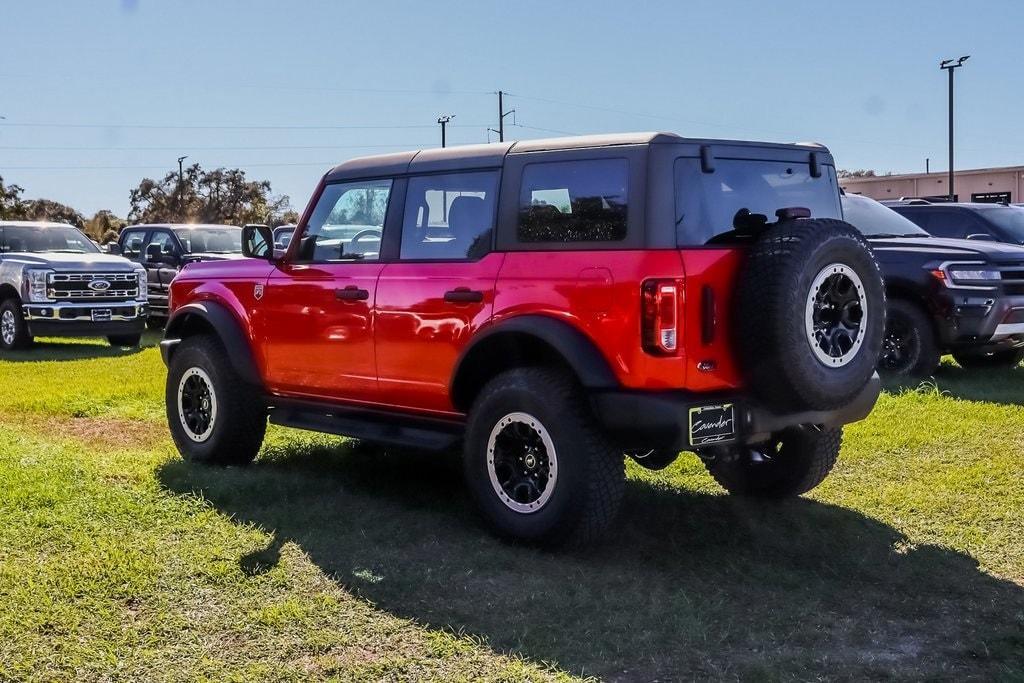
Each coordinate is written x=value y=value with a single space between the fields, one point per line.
x=434 y=435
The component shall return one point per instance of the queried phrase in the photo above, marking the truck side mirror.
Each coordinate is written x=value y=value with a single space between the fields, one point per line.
x=258 y=242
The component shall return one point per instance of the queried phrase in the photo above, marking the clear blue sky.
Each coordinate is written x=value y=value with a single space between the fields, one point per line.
x=98 y=94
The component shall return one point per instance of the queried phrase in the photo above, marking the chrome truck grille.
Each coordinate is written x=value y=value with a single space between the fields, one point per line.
x=92 y=286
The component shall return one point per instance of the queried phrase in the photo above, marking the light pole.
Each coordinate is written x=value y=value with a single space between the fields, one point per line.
x=951 y=65
x=443 y=120
x=180 y=183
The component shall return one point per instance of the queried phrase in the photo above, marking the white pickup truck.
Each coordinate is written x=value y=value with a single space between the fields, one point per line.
x=55 y=282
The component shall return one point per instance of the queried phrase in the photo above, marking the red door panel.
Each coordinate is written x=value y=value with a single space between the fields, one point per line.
x=317 y=326
x=420 y=333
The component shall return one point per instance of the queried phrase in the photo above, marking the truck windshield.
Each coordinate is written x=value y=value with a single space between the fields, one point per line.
x=226 y=240
x=875 y=220
x=35 y=240
x=1009 y=219
x=707 y=204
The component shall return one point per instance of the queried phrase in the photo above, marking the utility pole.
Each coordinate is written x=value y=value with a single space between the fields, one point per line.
x=951 y=65
x=181 y=183
x=443 y=120
x=927 y=164
x=500 y=130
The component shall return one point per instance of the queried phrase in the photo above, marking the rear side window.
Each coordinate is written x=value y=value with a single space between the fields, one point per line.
x=449 y=217
x=707 y=204
x=574 y=201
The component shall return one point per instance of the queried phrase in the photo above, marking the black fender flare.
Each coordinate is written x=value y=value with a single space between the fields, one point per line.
x=211 y=316
x=573 y=347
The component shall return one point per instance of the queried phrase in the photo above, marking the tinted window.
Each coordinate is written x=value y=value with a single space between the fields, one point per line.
x=1009 y=220
x=449 y=216
x=949 y=222
x=708 y=203
x=39 y=239
x=161 y=244
x=873 y=219
x=131 y=244
x=347 y=223
x=574 y=201
x=212 y=240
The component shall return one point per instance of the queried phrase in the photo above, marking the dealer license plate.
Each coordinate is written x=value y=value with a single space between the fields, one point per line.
x=712 y=424
x=101 y=315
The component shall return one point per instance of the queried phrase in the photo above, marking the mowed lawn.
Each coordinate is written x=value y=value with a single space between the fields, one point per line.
x=331 y=560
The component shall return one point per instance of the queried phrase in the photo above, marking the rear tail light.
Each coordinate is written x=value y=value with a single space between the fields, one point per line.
x=660 y=304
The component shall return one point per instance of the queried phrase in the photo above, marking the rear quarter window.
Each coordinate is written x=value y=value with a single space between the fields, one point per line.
x=707 y=203
x=574 y=201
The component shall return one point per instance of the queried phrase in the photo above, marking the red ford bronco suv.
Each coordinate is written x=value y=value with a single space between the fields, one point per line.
x=554 y=306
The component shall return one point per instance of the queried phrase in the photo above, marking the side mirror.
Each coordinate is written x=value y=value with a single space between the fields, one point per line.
x=154 y=253
x=984 y=236
x=114 y=248
x=258 y=242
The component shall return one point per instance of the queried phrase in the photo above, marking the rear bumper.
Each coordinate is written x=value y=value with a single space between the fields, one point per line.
x=645 y=420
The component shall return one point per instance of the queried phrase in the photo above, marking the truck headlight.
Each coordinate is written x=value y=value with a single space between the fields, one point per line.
x=973 y=274
x=34 y=285
x=143 y=285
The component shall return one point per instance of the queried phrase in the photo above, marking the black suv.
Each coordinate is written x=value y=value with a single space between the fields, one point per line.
x=165 y=248
x=965 y=220
x=959 y=296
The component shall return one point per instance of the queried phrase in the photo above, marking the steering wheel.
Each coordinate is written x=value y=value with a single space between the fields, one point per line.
x=364 y=234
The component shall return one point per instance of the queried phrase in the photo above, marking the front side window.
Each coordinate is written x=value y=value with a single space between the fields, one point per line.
x=347 y=223
x=131 y=244
x=574 y=201
x=64 y=239
x=161 y=246
x=449 y=217
x=210 y=240
x=712 y=207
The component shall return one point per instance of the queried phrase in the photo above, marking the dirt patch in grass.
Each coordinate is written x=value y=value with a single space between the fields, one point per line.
x=91 y=431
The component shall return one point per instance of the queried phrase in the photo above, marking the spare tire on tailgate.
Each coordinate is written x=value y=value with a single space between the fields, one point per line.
x=810 y=314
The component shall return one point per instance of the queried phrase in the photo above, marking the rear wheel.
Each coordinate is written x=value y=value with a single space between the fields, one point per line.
x=214 y=416
x=127 y=340
x=909 y=348
x=792 y=462
x=13 y=329
x=1007 y=359
x=536 y=462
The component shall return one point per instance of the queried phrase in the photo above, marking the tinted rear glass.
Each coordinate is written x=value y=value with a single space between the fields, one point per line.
x=574 y=201
x=707 y=203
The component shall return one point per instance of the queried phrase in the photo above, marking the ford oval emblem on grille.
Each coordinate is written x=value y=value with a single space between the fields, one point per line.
x=99 y=285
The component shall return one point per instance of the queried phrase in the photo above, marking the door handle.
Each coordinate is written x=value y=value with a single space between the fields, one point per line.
x=352 y=293
x=464 y=295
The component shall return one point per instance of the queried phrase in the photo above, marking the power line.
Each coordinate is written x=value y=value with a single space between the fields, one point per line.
x=322 y=164
x=193 y=148
x=149 y=126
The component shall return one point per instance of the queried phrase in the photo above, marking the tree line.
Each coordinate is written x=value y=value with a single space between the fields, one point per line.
x=220 y=195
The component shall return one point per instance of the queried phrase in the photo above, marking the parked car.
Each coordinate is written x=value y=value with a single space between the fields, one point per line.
x=958 y=296
x=965 y=220
x=553 y=305
x=283 y=235
x=55 y=282
x=163 y=249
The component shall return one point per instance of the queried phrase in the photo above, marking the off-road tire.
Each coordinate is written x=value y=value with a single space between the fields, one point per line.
x=916 y=334
x=21 y=339
x=774 y=349
x=591 y=471
x=241 y=413
x=1004 y=360
x=803 y=459
x=126 y=340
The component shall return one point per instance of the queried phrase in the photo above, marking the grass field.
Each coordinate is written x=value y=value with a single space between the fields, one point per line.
x=327 y=560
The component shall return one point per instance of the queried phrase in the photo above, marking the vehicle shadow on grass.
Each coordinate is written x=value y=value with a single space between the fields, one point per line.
x=1005 y=386
x=687 y=585
x=59 y=349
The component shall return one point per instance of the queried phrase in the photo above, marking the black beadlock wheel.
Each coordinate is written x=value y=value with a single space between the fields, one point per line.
x=1002 y=360
x=14 y=332
x=536 y=463
x=791 y=463
x=909 y=347
x=215 y=417
x=809 y=315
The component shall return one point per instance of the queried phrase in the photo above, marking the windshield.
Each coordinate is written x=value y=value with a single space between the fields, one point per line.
x=709 y=205
x=875 y=220
x=36 y=240
x=226 y=240
x=1008 y=219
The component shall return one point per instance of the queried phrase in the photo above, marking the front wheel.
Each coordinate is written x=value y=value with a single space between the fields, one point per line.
x=789 y=464
x=536 y=462
x=1005 y=360
x=909 y=348
x=215 y=417
x=13 y=329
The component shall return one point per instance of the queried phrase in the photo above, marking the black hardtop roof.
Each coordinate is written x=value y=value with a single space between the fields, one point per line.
x=493 y=154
